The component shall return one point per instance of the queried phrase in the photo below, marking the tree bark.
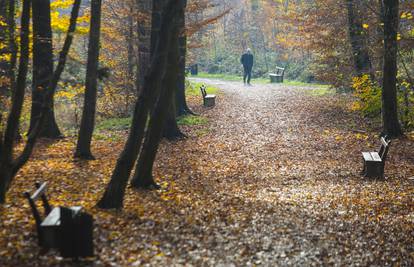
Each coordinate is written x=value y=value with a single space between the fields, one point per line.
x=143 y=171
x=115 y=191
x=4 y=64
x=171 y=131
x=391 y=125
x=144 y=40
x=357 y=36
x=83 y=148
x=42 y=69
x=7 y=165
x=181 y=102
x=7 y=51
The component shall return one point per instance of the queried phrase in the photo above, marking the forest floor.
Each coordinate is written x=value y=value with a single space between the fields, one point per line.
x=271 y=178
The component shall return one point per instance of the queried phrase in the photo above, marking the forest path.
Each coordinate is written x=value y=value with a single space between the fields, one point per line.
x=271 y=178
x=281 y=166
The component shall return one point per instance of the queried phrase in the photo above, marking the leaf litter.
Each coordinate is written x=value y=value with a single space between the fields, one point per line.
x=271 y=179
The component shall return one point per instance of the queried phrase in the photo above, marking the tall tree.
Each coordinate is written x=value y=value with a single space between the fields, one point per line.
x=42 y=68
x=143 y=171
x=8 y=165
x=391 y=125
x=145 y=7
x=83 y=148
x=170 y=128
x=115 y=191
x=7 y=50
x=181 y=102
x=358 y=38
x=4 y=62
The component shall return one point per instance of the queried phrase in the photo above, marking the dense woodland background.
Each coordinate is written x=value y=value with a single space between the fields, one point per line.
x=82 y=70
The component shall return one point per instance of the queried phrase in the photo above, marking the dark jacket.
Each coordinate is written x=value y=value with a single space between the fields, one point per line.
x=247 y=60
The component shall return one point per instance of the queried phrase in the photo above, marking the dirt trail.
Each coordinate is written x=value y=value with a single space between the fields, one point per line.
x=271 y=180
x=292 y=157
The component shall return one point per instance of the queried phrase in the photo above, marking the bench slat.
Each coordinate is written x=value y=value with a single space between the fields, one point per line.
x=39 y=192
x=384 y=142
x=367 y=156
x=375 y=156
x=52 y=219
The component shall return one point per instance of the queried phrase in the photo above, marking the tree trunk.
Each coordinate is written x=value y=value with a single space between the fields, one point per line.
x=143 y=171
x=362 y=61
x=42 y=69
x=83 y=148
x=181 y=102
x=115 y=191
x=5 y=179
x=144 y=40
x=131 y=40
x=171 y=127
x=8 y=168
x=7 y=51
x=171 y=131
x=4 y=64
x=391 y=125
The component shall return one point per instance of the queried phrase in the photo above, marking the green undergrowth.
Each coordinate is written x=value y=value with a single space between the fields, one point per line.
x=323 y=91
x=260 y=80
x=192 y=120
x=114 y=124
x=228 y=77
x=193 y=89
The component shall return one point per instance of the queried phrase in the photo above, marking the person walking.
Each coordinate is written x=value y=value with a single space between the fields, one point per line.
x=247 y=62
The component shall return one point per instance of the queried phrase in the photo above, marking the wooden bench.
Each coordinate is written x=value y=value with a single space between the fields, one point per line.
x=66 y=229
x=208 y=100
x=374 y=162
x=277 y=77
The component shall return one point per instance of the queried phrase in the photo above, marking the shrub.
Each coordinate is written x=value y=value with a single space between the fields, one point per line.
x=368 y=96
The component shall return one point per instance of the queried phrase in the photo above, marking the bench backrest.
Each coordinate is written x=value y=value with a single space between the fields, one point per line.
x=385 y=146
x=280 y=71
x=40 y=193
x=203 y=91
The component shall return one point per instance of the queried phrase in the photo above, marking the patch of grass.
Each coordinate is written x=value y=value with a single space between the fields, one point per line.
x=299 y=83
x=260 y=80
x=221 y=76
x=114 y=124
x=322 y=91
x=107 y=136
x=202 y=132
x=229 y=77
x=192 y=120
x=194 y=89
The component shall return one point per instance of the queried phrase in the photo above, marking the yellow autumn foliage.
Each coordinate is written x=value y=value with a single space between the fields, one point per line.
x=60 y=22
x=368 y=95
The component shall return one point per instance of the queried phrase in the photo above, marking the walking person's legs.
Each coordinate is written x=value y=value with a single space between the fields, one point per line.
x=249 y=76
x=245 y=73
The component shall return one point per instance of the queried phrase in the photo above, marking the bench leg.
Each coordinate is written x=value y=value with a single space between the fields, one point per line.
x=382 y=175
x=364 y=168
